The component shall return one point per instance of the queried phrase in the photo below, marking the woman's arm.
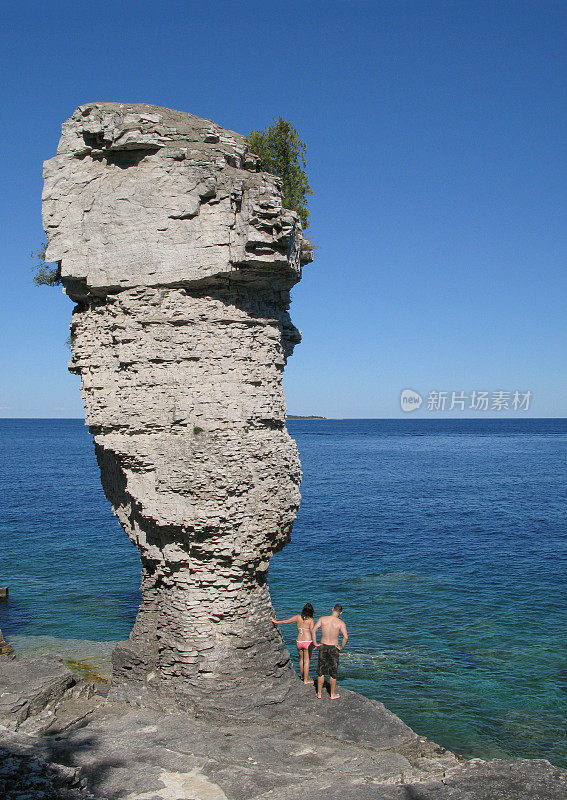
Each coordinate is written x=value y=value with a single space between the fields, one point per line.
x=284 y=621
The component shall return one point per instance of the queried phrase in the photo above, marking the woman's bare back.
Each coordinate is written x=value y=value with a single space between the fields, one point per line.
x=304 y=628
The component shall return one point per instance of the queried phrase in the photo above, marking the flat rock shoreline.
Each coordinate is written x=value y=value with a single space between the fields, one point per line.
x=64 y=735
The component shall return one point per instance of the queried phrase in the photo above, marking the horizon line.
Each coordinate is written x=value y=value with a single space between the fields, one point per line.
x=309 y=418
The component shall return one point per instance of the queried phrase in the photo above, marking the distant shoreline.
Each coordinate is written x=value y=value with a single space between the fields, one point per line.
x=297 y=416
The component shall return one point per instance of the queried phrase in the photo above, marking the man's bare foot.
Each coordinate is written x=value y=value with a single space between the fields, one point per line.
x=335 y=696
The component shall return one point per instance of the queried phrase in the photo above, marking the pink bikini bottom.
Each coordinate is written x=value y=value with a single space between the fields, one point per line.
x=304 y=645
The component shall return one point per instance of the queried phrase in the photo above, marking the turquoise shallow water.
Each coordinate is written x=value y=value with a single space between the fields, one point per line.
x=444 y=540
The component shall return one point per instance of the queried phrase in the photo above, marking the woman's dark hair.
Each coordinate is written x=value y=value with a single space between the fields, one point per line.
x=307 y=611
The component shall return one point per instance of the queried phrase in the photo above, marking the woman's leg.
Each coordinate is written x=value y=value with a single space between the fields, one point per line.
x=306 y=660
x=301 y=661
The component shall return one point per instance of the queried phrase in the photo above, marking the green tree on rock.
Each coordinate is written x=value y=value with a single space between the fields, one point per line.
x=282 y=153
x=44 y=275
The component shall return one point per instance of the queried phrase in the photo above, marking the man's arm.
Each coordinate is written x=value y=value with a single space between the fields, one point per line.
x=314 y=630
x=345 y=636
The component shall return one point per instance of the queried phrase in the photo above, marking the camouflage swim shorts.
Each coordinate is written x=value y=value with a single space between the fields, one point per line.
x=328 y=662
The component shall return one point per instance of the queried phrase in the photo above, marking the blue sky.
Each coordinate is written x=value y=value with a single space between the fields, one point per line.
x=436 y=153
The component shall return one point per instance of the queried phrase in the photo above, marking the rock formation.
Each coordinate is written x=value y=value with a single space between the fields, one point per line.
x=180 y=258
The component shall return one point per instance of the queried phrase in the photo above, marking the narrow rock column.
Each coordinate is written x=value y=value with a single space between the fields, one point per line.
x=180 y=258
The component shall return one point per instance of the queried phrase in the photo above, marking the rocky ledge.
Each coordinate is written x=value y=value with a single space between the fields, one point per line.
x=62 y=738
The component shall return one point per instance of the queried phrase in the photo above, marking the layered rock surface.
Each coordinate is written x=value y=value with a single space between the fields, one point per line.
x=180 y=258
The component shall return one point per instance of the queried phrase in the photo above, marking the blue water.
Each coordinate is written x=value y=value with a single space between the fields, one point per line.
x=445 y=541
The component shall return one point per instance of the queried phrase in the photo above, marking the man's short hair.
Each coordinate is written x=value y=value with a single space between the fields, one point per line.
x=338 y=608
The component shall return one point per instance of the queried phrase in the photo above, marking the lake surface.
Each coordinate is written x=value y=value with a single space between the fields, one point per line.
x=444 y=540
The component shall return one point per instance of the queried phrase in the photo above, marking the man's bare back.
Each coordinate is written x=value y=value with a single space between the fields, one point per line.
x=330 y=628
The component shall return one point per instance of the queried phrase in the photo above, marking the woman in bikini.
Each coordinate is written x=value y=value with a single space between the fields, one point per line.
x=305 y=625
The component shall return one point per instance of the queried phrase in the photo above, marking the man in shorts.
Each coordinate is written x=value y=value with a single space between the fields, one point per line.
x=329 y=649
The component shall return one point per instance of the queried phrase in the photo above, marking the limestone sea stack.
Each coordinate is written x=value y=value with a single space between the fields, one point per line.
x=180 y=257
